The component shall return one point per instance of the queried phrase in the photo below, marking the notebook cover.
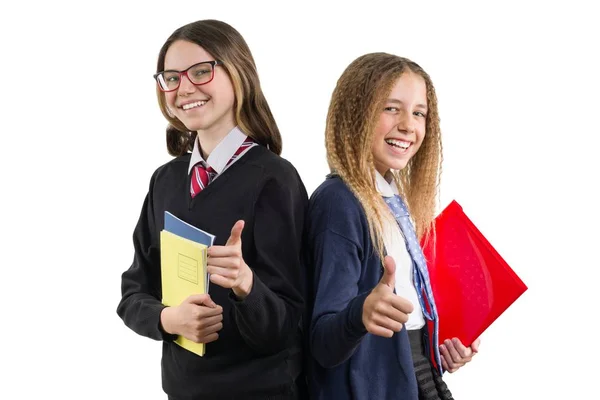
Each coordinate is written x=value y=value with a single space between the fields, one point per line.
x=181 y=228
x=183 y=271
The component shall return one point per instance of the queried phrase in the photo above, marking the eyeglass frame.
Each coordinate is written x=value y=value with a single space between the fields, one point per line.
x=213 y=64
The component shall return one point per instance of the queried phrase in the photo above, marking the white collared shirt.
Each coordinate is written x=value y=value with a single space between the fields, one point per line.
x=221 y=154
x=395 y=246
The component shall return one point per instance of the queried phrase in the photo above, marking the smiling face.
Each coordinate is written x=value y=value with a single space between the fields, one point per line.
x=401 y=126
x=205 y=108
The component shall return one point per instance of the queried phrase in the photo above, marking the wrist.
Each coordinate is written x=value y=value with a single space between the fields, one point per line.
x=245 y=287
x=166 y=320
x=358 y=317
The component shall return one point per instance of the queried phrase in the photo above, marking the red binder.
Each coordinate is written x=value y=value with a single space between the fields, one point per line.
x=471 y=282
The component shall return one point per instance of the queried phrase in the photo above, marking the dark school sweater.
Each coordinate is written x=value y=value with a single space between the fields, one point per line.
x=257 y=353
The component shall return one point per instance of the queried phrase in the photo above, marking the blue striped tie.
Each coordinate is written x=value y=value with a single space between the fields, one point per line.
x=420 y=273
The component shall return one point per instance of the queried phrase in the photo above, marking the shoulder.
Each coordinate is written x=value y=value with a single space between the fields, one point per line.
x=334 y=198
x=334 y=191
x=276 y=171
x=274 y=166
x=335 y=208
x=170 y=171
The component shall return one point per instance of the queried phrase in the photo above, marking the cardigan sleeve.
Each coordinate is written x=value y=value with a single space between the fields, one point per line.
x=336 y=324
x=335 y=252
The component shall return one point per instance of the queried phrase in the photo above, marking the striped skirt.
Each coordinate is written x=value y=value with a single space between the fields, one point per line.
x=431 y=385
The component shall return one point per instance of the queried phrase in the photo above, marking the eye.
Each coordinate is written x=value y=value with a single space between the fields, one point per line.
x=171 y=78
x=391 y=109
x=201 y=72
x=420 y=114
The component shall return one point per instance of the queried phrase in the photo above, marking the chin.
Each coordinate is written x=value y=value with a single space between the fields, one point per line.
x=398 y=165
x=194 y=125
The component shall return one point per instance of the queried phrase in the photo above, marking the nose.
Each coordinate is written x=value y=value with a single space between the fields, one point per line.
x=185 y=86
x=406 y=124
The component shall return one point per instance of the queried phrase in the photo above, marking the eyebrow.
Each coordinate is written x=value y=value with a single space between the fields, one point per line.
x=396 y=101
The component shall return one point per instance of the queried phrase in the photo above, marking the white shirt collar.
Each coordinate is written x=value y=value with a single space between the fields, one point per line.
x=386 y=187
x=221 y=154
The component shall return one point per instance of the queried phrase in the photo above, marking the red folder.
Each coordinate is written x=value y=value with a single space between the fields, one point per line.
x=472 y=284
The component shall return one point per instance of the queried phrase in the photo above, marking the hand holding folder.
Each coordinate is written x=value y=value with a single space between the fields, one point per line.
x=471 y=282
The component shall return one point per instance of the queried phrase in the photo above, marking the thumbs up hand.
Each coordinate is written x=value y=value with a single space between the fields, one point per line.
x=227 y=267
x=383 y=311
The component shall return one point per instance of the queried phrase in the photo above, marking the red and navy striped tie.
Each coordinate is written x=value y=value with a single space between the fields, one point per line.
x=203 y=174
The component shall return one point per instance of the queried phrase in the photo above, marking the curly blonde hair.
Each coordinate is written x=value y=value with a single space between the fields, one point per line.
x=356 y=104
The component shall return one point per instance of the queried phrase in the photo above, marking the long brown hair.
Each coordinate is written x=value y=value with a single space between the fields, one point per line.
x=356 y=104
x=252 y=112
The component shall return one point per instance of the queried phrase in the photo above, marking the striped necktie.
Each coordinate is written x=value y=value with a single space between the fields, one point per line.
x=203 y=174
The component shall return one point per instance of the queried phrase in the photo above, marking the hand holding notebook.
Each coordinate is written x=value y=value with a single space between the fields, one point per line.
x=197 y=319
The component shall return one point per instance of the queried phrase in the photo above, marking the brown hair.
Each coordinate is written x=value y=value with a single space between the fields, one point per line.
x=356 y=104
x=252 y=112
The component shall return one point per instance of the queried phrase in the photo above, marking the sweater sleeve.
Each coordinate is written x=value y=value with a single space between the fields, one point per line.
x=140 y=305
x=269 y=317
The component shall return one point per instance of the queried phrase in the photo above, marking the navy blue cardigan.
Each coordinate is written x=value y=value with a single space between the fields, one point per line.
x=347 y=362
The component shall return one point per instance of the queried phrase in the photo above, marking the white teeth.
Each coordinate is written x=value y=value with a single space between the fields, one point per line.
x=398 y=143
x=192 y=105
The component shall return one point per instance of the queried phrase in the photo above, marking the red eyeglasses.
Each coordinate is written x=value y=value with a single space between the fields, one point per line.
x=199 y=74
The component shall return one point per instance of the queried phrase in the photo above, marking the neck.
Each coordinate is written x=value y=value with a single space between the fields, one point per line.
x=382 y=170
x=210 y=138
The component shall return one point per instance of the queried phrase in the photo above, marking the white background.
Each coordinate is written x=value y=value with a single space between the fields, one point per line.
x=82 y=133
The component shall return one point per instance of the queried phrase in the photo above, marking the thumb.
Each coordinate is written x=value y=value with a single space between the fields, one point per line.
x=389 y=272
x=475 y=345
x=236 y=233
x=201 y=300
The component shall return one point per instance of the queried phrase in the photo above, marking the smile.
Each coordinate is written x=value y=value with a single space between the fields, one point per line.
x=401 y=144
x=196 y=104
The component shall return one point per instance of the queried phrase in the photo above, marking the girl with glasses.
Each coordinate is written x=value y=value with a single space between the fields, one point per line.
x=369 y=291
x=228 y=179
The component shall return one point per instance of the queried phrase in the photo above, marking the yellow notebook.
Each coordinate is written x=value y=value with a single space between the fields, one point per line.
x=183 y=273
